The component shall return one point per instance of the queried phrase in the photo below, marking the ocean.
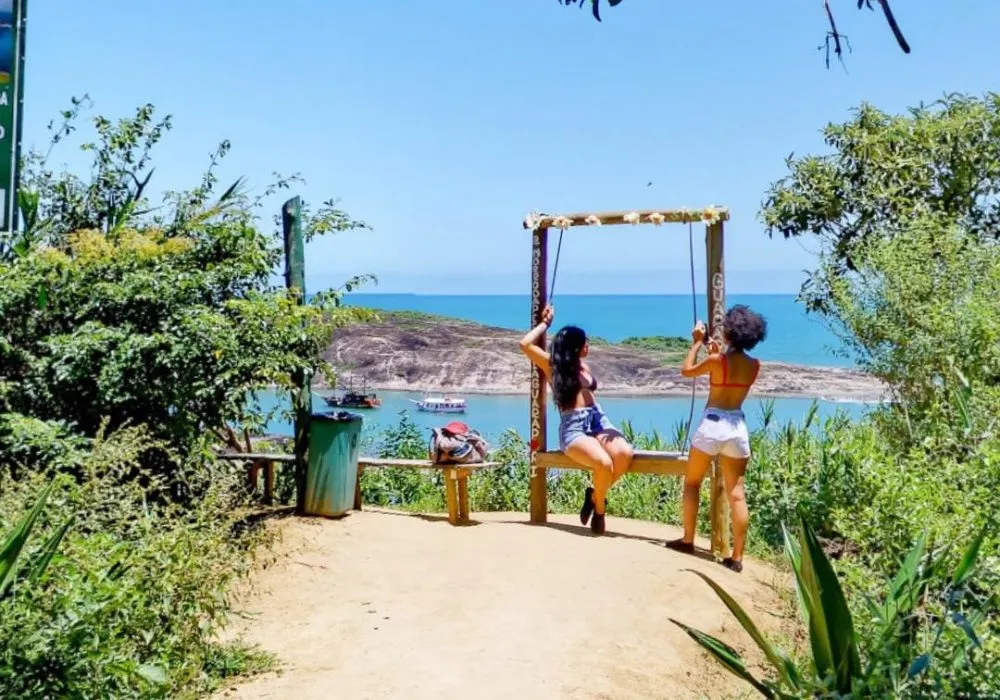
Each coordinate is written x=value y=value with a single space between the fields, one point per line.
x=492 y=415
x=792 y=337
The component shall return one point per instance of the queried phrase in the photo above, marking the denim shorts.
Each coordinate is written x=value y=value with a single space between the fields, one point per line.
x=582 y=421
x=722 y=433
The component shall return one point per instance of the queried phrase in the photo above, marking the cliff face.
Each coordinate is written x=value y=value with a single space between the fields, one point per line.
x=408 y=352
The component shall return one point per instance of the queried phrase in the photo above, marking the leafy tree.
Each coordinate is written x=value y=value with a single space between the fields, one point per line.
x=119 y=310
x=885 y=172
x=833 y=36
x=920 y=312
x=906 y=211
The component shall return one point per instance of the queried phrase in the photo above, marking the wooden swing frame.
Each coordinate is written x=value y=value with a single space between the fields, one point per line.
x=645 y=462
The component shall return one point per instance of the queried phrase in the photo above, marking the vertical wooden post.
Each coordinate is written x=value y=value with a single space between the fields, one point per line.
x=252 y=476
x=714 y=250
x=357 y=488
x=268 y=483
x=463 y=495
x=295 y=279
x=538 y=482
x=451 y=494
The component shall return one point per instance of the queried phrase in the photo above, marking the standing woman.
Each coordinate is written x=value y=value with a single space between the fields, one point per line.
x=722 y=431
x=586 y=435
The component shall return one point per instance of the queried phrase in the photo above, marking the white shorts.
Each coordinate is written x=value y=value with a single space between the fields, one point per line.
x=722 y=433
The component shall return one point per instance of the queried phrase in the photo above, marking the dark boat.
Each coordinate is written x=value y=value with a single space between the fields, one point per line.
x=353 y=399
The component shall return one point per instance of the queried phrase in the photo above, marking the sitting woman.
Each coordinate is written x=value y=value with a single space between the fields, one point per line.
x=586 y=435
x=722 y=431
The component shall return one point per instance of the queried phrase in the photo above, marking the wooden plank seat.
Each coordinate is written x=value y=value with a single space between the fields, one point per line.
x=456 y=481
x=644 y=462
x=258 y=461
x=659 y=463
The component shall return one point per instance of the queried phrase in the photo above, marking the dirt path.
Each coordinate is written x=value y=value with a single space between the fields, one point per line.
x=387 y=605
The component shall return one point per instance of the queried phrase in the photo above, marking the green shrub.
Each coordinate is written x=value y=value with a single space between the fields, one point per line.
x=120 y=310
x=902 y=656
x=137 y=590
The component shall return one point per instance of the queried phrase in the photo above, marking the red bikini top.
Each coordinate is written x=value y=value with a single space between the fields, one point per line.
x=725 y=371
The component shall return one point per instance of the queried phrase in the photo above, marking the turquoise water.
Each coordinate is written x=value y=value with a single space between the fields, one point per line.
x=492 y=415
x=792 y=335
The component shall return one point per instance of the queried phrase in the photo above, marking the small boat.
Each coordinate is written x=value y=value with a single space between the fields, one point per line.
x=354 y=399
x=441 y=404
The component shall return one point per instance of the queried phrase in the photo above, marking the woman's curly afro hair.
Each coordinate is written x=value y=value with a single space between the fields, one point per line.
x=744 y=328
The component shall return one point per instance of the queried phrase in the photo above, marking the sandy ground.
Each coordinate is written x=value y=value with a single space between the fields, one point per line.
x=390 y=605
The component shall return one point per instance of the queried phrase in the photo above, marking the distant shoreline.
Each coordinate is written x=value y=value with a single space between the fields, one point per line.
x=620 y=394
x=421 y=353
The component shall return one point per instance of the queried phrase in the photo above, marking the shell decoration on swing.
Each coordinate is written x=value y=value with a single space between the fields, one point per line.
x=707 y=215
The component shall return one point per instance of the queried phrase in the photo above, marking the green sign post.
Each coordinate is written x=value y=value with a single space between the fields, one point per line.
x=12 y=15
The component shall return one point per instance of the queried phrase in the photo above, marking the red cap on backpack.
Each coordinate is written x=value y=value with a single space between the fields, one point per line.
x=457 y=428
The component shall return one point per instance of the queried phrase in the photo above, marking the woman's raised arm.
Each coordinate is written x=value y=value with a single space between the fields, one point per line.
x=691 y=367
x=529 y=343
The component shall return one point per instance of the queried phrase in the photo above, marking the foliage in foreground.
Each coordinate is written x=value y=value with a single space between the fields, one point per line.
x=14 y=568
x=893 y=662
x=133 y=597
x=132 y=330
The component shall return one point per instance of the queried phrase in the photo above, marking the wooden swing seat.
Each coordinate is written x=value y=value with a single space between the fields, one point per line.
x=644 y=462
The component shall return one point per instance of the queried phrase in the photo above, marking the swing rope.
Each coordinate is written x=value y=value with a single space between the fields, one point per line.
x=555 y=268
x=694 y=315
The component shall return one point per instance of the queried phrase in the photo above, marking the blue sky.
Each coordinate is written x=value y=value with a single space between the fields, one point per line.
x=443 y=123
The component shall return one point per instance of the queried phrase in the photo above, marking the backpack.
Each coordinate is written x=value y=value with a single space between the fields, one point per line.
x=456 y=443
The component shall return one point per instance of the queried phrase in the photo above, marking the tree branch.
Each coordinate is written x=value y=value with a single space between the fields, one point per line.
x=838 y=49
x=833 y=34
x=896 y=31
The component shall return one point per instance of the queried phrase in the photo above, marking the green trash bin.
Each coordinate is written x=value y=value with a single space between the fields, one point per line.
x=333 y=463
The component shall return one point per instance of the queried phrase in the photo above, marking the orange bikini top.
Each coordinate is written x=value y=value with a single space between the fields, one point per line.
x=725 y=380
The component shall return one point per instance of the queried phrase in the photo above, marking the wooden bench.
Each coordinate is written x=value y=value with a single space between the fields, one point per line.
x=258 y=461
x=456 y=476
x=644 y=462
x=456 y=481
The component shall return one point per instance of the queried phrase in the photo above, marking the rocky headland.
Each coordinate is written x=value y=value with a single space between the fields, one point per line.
x=407 y=351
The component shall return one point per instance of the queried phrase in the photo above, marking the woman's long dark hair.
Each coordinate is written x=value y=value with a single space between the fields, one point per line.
x=566 y=349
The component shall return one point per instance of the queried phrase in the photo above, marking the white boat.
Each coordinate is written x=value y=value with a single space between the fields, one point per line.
x=442 y=404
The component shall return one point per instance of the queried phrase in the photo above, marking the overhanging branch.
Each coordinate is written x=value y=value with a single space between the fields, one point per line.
x=833 y=35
